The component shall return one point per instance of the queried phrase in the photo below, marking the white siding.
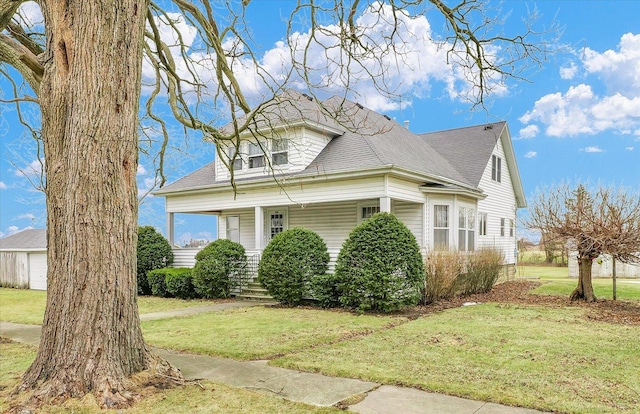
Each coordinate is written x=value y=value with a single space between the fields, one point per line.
x=14 y=269
x=247 y=227
x=319 y=191
x=604 y=268
x=38 y=271
x=304 y=147
x=411 y=215
x=500 y=203
x=404 y=190
x=332 y=221
x=184 y=257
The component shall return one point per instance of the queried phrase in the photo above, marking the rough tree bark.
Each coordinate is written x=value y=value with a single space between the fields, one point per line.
x=89 y=96
x=584 y=290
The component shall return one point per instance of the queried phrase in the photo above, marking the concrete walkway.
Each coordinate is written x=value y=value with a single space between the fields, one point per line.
x=309 y=388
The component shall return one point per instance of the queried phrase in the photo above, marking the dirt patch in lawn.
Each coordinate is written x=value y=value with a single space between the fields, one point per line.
x=603 y=310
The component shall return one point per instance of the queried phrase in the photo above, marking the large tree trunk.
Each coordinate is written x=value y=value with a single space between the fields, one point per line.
x=584 y=290
x=91 y=336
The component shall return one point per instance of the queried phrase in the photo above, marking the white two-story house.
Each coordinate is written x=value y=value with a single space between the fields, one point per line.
x=296 y=166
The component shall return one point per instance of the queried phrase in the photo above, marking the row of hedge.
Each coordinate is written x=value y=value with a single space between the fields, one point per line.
x=379 y=268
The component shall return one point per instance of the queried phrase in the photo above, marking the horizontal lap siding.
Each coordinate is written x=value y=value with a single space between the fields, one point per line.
x=332 y=221
x=247 y=229
x=184 y=257
x=404 y=190
x=500 y=203
x=411 y=215
x=320 y=190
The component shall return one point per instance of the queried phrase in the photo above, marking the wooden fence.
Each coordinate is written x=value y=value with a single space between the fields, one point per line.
x=14 y=270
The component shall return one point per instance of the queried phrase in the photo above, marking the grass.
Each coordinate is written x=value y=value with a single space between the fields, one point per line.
x=27 y=306
x=545 y=358
x=260 y=332
x=555 y=282
x=203 y=397
x=549 y=359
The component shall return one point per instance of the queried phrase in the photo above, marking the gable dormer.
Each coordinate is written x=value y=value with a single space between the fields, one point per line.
x=286 y=149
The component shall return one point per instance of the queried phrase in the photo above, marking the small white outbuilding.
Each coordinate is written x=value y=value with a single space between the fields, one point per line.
x=23 y=260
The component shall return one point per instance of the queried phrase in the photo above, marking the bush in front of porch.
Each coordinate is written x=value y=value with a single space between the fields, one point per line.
x=290 y=263
x=380 y=267
x=214 y=266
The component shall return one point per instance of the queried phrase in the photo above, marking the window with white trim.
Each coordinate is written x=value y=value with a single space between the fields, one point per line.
x=502 y=226
x=512 y=228
x=276 y=222
x=279 y=151
x=441 y=227
x=233 y=228
x=236 y=163
x=368 y=211
x=466 y=229
x=482 y=224
x=496 y=168
x=256 y=156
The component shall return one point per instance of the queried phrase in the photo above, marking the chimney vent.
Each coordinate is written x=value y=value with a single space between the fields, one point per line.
x=406 y=124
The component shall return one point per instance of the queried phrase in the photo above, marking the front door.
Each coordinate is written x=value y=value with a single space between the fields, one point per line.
x=277 y=222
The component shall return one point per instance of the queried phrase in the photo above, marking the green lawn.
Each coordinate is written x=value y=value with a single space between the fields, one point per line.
x=549 y=359
x=27 y=306
x=203 y=397
x=260 y=332
x=555 y=281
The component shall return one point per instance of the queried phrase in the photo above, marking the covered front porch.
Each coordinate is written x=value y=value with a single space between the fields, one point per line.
x=254 y=227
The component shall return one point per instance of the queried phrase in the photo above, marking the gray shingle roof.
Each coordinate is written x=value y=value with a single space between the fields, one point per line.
x=468 y=149
x=29 y=239
x=370 y=140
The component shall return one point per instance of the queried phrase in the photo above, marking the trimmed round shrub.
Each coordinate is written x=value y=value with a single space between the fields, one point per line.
x=324 y=289
x=290 y=262
x=216 y=268
x=380 y=266
x=157 y=282
x=180 y=283
x=154 y=252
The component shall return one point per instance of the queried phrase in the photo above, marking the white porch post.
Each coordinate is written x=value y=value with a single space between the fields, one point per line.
x=170 y=228
x=425 y=227
x=259 y=227
x=385 y=204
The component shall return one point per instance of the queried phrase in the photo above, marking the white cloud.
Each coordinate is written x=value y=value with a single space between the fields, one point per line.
x=530 y=131
x=33 y=168
x=3 y=186
x=146 y=186
x=531 y=154
x=580 y=111
x=568 y=72
x=629 y=148
x=28 y=216
x=620 y=70
x=141 y=170
x=31 y=14
x=592 y=149
x=410 y=69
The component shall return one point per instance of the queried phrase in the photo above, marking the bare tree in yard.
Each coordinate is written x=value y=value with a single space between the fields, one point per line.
x=83 y=67
x=596 y=221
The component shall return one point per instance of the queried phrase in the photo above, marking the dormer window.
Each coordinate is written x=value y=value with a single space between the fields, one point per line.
x=279 y=152
x=237 y=163
x=256 y=156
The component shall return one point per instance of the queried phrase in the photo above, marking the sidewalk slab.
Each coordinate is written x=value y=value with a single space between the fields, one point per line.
x=309 y=388
x=26 y=334
x=390 y=399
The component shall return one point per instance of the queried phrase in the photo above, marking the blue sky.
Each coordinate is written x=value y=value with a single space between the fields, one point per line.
x=577 y=117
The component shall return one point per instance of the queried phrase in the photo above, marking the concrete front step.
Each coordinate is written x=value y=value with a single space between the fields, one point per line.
x=253 y=297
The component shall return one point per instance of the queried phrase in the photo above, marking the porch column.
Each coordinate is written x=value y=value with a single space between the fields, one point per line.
x=170 y=228
x=259 y=227
x=385 y=204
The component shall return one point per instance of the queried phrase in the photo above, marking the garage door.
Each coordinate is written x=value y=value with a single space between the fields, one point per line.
x=38 y=271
